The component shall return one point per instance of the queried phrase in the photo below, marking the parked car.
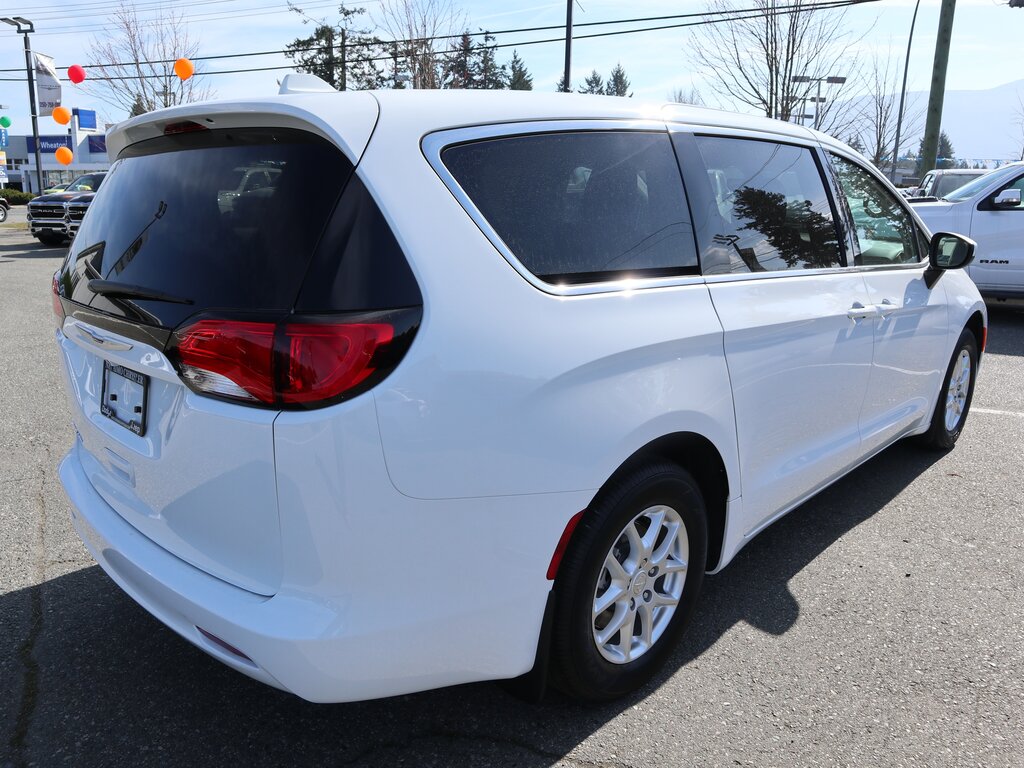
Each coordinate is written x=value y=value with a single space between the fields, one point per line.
x=5 y=208
x=989 y=210
x=942 y=181
x=55 y=218
x=499 y=390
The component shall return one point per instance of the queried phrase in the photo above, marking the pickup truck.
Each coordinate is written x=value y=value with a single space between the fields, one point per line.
x=54 y=218
x=989 y=211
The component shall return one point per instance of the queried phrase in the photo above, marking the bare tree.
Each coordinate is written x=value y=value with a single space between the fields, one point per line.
x=1018 y=120
x=876 y=126
x=689 y=95
x=415 y=25
x=754 y=57
x=138 y=55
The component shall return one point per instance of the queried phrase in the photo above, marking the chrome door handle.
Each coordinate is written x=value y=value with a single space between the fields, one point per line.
x=887 y=307
x=858 y=311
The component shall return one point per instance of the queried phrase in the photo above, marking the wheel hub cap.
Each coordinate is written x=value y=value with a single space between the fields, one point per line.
x=640 y=584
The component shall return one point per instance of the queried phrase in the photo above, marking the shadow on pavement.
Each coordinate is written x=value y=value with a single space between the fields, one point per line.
x=113 y=686
x=1006 y=329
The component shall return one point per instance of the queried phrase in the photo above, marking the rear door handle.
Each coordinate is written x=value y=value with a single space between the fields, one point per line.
x=887 y=307
x=858 y=311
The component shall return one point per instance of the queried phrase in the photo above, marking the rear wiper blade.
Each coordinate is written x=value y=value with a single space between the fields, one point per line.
x=113 y=288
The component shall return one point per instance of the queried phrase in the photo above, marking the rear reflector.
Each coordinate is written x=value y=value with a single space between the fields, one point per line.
x=224 y=646
x=289 y=364
x=563 y=544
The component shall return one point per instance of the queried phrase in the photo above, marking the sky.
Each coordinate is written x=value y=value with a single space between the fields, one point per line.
x=986 y=51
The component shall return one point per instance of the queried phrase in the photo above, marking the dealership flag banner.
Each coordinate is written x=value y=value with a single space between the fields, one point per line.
x=47 y=84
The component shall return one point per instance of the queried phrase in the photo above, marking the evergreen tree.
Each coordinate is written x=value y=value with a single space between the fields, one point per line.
x=519 y=78
x=618 y=83
x=492 y=77
x=461 y=68
x=138 y=108
x=561 y=84
x=856 y=143
x=339 y=54
x=593 y=84
x=944 y=158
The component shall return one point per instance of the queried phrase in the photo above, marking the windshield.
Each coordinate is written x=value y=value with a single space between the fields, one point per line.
x=88 y=183
x=981 y=183
x=953 y=181
x=170 y=219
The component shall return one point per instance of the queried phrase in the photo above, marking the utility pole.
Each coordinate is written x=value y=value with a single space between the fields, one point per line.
x=25 y=27
x=938 y=92
x=344 y=62
x=567 y=86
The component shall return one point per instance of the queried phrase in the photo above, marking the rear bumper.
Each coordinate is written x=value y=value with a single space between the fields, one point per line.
x=372 y=633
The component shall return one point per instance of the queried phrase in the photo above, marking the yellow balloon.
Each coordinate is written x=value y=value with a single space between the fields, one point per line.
x=184 y=68
x=64 y=155
x=62 y=115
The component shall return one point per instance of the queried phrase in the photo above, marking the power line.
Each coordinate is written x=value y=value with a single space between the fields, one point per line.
x=708 y=16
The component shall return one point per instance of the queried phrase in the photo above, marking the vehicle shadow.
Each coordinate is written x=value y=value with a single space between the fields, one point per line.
x=32 y=249
x=1006 y=329
x=107 y=684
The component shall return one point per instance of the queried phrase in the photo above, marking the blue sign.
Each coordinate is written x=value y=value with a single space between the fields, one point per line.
x=86 y=117
x=3 y=138
x=97 y=145
x=47 y=143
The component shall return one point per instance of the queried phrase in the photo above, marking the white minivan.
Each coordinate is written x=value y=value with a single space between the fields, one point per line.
x=488 y=381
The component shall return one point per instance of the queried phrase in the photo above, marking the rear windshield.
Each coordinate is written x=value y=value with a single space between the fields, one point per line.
x=223 y=220
x=950 y=182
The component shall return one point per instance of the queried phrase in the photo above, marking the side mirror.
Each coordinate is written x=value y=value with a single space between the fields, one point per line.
x=947 y=251
x=1008 y=198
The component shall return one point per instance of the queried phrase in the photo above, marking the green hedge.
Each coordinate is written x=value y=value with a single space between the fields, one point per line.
x=14 y=197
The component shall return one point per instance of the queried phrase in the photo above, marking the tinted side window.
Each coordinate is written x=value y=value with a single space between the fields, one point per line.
x=582 y=207
x=767 y=208
x=884 y=233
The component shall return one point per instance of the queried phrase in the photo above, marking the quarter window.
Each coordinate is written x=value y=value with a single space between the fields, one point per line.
x=583 y=206
x=767 y=208
x=884 y=233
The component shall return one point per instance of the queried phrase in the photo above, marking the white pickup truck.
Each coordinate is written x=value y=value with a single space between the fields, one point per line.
x=989 y=211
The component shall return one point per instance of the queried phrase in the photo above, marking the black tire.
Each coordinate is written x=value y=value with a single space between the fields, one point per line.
x=49 y=240
x=3 y=214
x=939 y=436
x=580 y=668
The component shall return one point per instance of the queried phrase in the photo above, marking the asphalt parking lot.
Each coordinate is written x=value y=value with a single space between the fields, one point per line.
x=880 y=624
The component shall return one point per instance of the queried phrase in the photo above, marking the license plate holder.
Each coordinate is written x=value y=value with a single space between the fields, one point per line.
x=124 y=397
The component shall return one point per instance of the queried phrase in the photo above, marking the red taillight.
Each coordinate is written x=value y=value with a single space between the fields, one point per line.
x=327 y=360
x=230 y=358
x=278 y=363
x=58 y=308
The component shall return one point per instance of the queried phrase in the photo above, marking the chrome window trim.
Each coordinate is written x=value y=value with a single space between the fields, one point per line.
x=433 y=144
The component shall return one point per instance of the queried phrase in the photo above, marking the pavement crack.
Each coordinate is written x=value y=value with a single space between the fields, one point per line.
x=26 y=651
x=454 y=736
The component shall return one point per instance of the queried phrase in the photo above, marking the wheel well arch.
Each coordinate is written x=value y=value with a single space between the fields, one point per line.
x=976 y=325
x=698 y=456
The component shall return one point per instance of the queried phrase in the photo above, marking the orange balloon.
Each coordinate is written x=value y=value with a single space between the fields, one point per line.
x=184 y=68
x=62 y=115
x=64 y=155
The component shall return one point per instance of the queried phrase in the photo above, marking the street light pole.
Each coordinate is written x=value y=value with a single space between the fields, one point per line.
x=903 y=97
x=818 y=99
x=24 y=28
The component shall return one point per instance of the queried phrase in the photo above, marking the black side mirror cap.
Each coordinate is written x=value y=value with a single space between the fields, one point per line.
x=948 y=251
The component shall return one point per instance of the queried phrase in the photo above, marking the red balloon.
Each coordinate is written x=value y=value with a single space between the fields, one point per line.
x=76 y=73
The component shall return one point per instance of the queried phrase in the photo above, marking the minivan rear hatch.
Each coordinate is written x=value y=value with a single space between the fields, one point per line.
x=191 y=223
